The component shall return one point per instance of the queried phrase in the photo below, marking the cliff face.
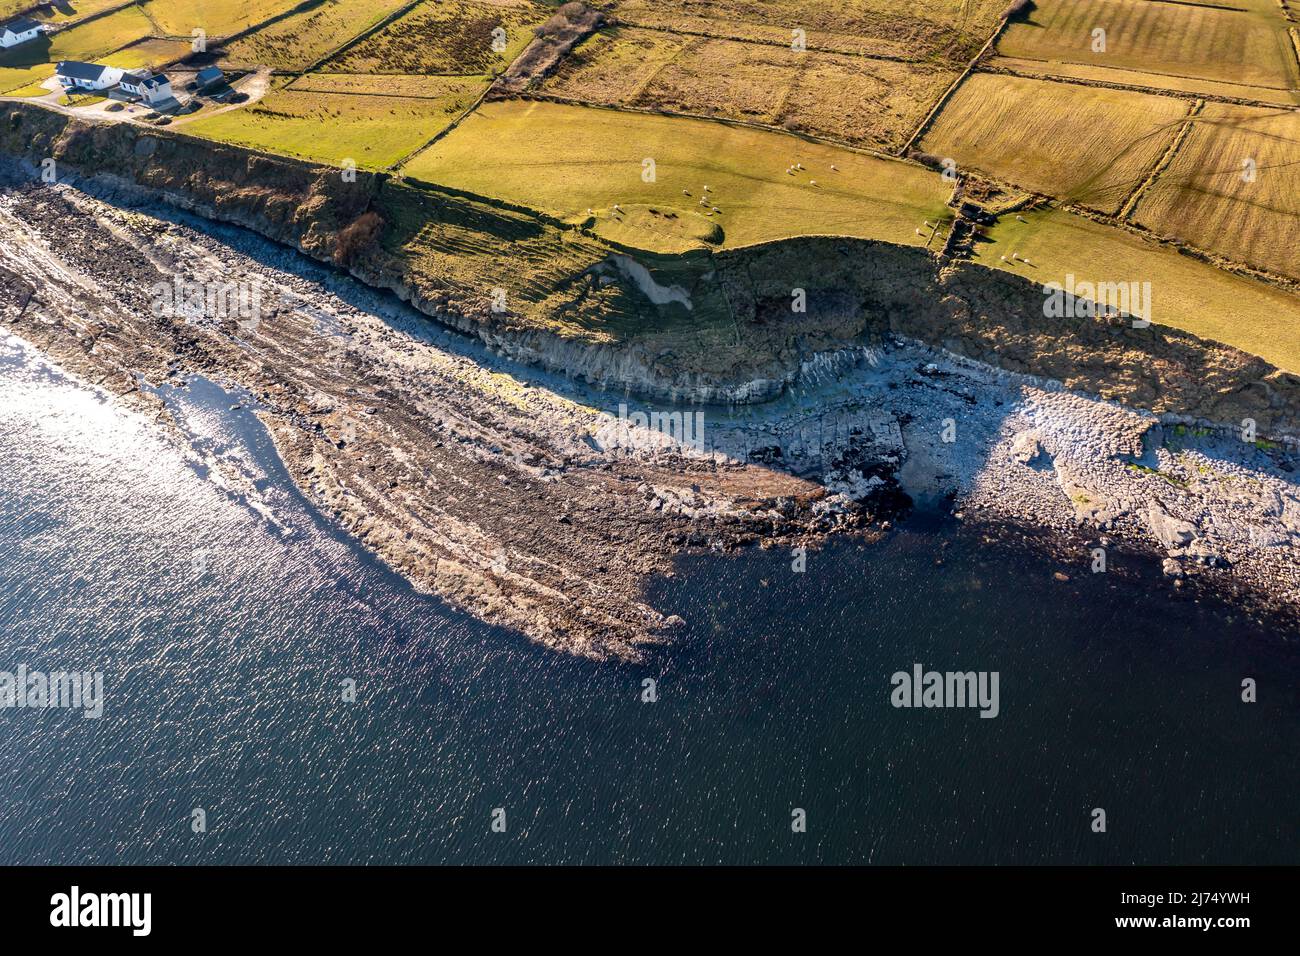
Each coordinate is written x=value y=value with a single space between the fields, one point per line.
x=717 y=327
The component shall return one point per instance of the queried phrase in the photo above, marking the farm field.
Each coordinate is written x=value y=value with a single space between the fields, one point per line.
x=857 y=100
x=372 y=131
x=22 y=81
x=564 y=160
x=1208 y=197
x=69 y=11
x=298 y=42
x=1186 y=293
x=444 y=37
x=217 y=17
x=951 y=30
x=89 y=40
x=1174 y=84
x=1244 y=46
x=1087 y=144
x=388 y=85
x=152 y=53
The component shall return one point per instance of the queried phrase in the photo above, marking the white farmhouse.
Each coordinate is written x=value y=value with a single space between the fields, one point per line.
x=19 y=30
x=75 y=75
x=153 y=88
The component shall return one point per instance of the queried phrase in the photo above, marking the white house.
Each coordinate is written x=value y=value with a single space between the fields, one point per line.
x=75 y=75
x=153 y=88
x=19 y=30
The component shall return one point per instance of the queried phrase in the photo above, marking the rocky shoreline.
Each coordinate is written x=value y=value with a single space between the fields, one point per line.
x=545 y=505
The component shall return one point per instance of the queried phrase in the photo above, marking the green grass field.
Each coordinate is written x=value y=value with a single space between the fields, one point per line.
x=372 y=131
x=179 y=18
x=564 y=160
x=151 y=53
x=69 y=11
x=1088 y=144
x=297 y=42
x=1185 y=292
x=1209 y=196
x=1246 y=46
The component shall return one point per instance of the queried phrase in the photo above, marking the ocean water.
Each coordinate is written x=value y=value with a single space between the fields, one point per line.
x=226 y=616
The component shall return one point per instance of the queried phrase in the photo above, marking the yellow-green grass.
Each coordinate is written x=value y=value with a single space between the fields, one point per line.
x=33 y=89
x=913 y=29
x=563 y=160
x=1210 y=196
x=371 y=131
x=16 y=81
x=1136 y=78
x=88 y=41
x=81 y=99
x=1247 y=46
x=1088 y=144
x=853 y=99
x=386 y=85
x=448 y=36
x=69 y=11
x=297 y=42
x=1186 y=293
x=151 y=53
x=217 y=18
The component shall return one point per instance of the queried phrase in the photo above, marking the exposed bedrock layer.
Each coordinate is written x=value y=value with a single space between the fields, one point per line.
x=705 y=326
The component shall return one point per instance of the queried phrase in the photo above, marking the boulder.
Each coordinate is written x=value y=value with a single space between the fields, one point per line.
x=1171 y=532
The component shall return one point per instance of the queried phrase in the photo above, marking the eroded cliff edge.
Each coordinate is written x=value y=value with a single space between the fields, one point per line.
x=701 y=327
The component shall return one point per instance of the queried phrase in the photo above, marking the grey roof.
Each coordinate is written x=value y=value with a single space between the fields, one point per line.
x=19 y=25
x=147 y=80
x=209 y=73
x=79 y=71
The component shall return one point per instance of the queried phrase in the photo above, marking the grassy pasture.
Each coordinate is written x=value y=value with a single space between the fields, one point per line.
x=24 y=81
x=1174 y=84
x=297 y=42
x=563 y=160
x=914 y=29
x=151 y=53
x=178 y=18
x=432 y=87
x=1207 y=196
x=444 y=37
x=372 y=131
x=90 y=40
x=1087 y=144
x=69 y=11
x=1247 y=46
x=1185 y=292
x=857 y=100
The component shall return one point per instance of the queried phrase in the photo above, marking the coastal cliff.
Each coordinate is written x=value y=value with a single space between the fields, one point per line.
x=706 y=326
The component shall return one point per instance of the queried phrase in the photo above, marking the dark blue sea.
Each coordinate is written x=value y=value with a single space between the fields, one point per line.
x=227 y=617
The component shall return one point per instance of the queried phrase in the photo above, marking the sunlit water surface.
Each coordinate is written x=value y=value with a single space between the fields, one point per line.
x=226 y=616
